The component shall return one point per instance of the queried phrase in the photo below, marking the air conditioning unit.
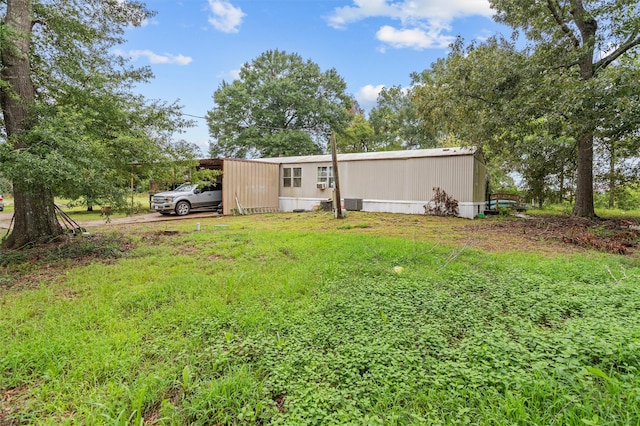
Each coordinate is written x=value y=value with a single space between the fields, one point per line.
x=353 y=204
x=321 y=185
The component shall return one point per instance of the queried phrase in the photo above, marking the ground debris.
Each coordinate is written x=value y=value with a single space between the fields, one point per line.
x=607 y=235
x=599 y=243
x=29 y=268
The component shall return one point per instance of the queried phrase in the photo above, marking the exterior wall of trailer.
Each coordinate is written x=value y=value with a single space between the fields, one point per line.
x=393 y=184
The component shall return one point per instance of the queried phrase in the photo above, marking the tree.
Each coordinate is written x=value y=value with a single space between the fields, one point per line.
x=358 y=137
x=136 y=137
x=490 y=95
x=565 y=36
x=619 y=142
x=614 y=168
x=494 y=96
x=396 y=121
x=69 y=119
x=543 y=165
x=280 y=105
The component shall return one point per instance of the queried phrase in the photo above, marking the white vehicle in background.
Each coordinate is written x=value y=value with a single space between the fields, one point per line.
x=1 y=203
x=188 y=197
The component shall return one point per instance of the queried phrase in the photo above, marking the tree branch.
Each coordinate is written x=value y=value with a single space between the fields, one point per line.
x=588 y=26
x=480 y=98
x=290 y=120
x=632 y=41
x=554 y=7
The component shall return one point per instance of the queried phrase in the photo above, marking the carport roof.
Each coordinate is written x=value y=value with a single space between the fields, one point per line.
x=211 y=162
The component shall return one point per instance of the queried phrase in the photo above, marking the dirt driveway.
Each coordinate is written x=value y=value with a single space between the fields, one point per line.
x=5 y=219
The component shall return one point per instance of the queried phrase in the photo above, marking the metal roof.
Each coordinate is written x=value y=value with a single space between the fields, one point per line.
x=381 y=155
x=210 y=162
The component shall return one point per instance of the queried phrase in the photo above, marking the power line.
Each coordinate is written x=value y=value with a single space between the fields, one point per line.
x=257 y=126
x=194 y=116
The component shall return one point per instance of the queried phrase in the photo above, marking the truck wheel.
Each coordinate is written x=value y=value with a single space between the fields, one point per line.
x=182 y=208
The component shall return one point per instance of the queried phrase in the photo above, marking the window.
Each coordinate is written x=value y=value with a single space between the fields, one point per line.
x=325 y=174
x=297 y=177
x=292 y=177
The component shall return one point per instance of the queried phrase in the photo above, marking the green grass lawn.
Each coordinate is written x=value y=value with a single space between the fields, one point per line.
x=566 y=209
x=301 y=319
x=8 y=205
x=80 y=213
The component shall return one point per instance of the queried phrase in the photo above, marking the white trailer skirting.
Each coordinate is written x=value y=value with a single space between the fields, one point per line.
x=467 y=210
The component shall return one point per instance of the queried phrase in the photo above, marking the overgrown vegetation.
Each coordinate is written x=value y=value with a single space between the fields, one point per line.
x=25 y=268
x=297 y=319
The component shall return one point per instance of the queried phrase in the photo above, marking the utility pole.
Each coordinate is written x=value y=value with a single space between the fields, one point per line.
x=336 y=180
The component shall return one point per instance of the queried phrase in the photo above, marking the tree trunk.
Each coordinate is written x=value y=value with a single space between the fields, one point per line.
x=35 y=216
x=588 y=27
x=583 y=206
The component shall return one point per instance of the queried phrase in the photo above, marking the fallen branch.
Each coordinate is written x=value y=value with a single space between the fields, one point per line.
x=454 y=255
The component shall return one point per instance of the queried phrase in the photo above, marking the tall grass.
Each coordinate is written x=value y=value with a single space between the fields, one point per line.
x=292 y=321
x=565 y=209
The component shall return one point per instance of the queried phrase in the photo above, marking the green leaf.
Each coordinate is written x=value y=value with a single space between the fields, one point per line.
x=599 y=373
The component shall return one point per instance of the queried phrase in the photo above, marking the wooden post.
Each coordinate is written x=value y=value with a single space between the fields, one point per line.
x=133 y=164
x=336 y=180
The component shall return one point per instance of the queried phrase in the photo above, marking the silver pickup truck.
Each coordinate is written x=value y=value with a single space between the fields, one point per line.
x=189 y=197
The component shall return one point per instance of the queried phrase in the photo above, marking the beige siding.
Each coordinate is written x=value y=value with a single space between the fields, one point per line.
x=255 y=184
x=409 y=179
x=309 y=180
x=479 y=181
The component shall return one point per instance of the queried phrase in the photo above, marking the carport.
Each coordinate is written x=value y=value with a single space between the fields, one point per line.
x=247 y=186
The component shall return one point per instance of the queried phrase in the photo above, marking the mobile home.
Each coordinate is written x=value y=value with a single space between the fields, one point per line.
x=389 y=181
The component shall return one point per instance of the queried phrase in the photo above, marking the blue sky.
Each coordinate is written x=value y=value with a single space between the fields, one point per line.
x=193 y=45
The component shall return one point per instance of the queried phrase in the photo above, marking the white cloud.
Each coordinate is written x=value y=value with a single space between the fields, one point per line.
x=409 y=11
x=146 y=22
x=367 y=96
x=226 y=17
x=363 y=9
x=155 y=58
x=230 y=75
x=423 y=23
x=415 y=38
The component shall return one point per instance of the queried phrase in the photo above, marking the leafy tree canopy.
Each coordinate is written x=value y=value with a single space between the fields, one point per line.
x=493 y=92
x=397 y=123
x=617 y=145
x=71 y=125
x=358 y=137
x=280 y=105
